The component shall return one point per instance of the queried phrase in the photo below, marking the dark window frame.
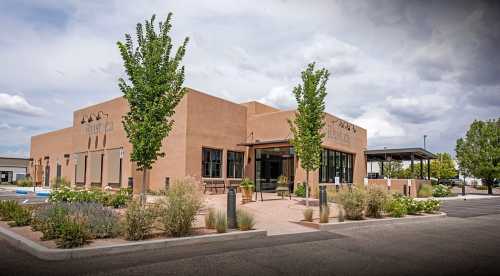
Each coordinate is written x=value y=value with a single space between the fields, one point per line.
x=338 y=163
x=214 y=167
x=232 y=163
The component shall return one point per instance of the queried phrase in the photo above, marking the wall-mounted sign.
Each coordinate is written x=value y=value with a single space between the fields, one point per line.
x=97 y=127
x=365 y=181
x=388 y=182
x=337 y=180
x=409 y=182
x=340 y=131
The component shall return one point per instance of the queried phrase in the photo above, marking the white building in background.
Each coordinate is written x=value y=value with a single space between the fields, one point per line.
x=470 y=181
x=12 y=169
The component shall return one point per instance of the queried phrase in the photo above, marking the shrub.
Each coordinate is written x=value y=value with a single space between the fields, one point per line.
x=210 y=219
x=58 y=182
x=425 y=190
x=376 y=199
x=441 y=191
x=21 y=216
x=308 y=214
x=178 y=210
x=245 y=220
x=221 y=222
x=49 y=220
x=121 y=198
x=102 y=221
x=247 y=183
x=74 y=232
x=25 y=182
x=353 y=202
x=138 y=221
x=413 y=207
x=300 y=190
x=7 y=209
x=324 y=214
x=431 y=206
x=397 y=207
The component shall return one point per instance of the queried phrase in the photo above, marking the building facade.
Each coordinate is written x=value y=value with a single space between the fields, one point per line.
x=212 y=140
x=13 y=169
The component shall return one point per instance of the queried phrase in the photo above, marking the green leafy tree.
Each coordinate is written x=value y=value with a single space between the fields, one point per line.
x=309 y=119
x=153 y=91
x=443 y=166
x=392 y=169
x=478 y=153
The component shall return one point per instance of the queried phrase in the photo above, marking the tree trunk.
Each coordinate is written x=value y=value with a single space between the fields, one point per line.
x=143 y=187
x=307 y=188
x=489 y=183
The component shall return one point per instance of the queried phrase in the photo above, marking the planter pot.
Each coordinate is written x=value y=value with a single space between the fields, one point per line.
x=246 y=195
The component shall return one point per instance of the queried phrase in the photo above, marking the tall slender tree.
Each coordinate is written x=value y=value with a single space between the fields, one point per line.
x=309 y=118
x=478 y=153
x=154 y=89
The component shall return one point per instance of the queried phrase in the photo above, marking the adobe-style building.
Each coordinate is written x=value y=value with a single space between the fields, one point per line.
x=213 y=140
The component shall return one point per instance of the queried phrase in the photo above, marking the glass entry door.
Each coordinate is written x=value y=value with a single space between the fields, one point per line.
x=270 y=163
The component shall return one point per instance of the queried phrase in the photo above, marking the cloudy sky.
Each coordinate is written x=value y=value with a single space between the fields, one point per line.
x=400 y=69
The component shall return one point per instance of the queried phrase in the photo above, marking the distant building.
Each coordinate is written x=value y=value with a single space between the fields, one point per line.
x=12 y=169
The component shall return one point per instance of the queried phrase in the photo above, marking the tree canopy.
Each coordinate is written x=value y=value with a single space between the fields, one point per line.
x=308 y=123
x=154 y=89
x=478 y=153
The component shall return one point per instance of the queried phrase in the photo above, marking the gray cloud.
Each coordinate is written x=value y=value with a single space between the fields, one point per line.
x=401 y=69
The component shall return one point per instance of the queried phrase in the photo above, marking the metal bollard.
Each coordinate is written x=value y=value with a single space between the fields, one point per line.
x=463 y=190
x=167 y=183
x=404 y=190
x=337 y=188
x=131 y=183
x=323 y=198
x=231 y=208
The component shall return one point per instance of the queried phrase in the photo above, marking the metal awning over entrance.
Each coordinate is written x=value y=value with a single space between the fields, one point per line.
x=404 y=154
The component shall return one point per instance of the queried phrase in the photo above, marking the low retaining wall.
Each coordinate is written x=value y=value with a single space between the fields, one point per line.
x=45 y=253
x=398 y=185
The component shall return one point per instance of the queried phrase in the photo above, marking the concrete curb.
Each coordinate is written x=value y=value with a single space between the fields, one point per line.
x=51 y=254
x=371 y=222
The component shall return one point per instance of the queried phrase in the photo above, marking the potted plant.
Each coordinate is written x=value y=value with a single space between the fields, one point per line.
x=246 y=186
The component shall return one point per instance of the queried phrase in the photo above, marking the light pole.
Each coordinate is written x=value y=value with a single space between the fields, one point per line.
x=425 y=137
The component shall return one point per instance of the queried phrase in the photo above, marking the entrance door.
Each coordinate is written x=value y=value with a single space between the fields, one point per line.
x=270 y=163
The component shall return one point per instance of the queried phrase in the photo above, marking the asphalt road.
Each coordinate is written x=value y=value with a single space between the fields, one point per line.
x=467 y=243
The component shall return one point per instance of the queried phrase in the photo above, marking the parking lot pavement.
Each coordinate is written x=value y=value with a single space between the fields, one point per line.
x=471 y=207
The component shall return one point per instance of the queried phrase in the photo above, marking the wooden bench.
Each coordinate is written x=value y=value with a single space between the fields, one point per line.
x=214 y=184
x=235 y=183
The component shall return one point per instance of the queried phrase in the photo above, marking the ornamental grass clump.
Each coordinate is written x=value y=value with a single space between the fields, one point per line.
x=376 y=199
x=308 y=214
x=425 y=190
x=179 y=208
x=21 y=216
x=353 y=202
x=210 y=219
x=221 y=222
x=138 y=222
x=74 y=232
x=7 y=209
x=324 y=214
x=245 y=220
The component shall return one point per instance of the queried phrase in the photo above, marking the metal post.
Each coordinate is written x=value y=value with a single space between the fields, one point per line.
x=404 y=190
x=463 y=190
x=167 y=183
x=131 y=183
x=323 y=197
x=231 y=208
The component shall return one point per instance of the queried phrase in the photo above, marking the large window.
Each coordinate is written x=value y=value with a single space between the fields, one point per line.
x=235 y=164
x=211 y=163
x=335 y=164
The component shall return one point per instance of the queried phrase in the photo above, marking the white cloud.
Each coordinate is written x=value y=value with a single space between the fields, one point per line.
x=19 y=105
x=280 y=97
x=379 y=125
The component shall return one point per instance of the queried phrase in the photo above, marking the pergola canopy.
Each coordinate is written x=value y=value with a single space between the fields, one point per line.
x=405 y=154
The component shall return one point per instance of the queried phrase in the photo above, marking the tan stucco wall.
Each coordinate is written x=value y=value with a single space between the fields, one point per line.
x=201 y=120
x=54 y=145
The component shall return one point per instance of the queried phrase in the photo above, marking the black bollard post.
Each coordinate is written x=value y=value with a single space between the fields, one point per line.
x=167 y=183
x=231 y=208
x=323 y=198
x=463 y=190
x=404 y=190
x=131 y=183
